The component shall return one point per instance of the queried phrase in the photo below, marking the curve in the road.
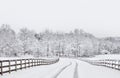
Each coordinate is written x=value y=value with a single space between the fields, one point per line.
x=62 y=69
x=76 y=71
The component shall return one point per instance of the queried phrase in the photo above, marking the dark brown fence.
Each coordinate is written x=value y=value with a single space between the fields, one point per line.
x=7 y=66
x=111 y=63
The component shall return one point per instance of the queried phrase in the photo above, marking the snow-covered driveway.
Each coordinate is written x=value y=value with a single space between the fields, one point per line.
x=65 y=68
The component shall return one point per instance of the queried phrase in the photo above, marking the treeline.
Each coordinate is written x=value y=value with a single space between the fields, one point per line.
x=76 y=43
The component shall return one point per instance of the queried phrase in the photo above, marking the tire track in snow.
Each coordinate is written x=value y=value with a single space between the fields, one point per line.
x=76 y=71
x=62 y=69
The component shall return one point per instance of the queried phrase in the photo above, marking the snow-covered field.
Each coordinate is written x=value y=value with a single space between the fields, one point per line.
x=65 y=68
x=25 y=57
x=102 y=57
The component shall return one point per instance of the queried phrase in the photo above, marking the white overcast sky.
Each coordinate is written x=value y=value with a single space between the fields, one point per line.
x=99 y=17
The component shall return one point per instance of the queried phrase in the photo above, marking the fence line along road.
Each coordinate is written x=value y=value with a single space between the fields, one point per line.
x=111 y=63
x=7 y=66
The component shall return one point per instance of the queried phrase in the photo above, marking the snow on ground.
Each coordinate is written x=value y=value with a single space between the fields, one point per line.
x=65 y=68
x=25 y=57
x=108 y=56
x=86 y=70
x=68 y=72
x=36 y=72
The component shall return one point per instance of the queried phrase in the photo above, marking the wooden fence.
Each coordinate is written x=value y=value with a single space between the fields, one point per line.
x=111 y=63
x=7 y=66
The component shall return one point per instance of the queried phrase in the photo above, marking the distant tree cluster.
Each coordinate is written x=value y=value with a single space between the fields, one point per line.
x=76 y=43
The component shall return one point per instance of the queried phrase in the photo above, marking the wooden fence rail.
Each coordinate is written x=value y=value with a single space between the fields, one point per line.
x=111 y=63
x=7 y=66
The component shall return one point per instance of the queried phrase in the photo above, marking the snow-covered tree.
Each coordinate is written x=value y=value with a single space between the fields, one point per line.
x=7 y=40
x=28 y=41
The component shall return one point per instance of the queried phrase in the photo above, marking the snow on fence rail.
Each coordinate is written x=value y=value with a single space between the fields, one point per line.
x=111 y=63
x=7 y=66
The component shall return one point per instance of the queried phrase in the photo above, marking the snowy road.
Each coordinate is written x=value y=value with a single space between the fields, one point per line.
x=65 y=68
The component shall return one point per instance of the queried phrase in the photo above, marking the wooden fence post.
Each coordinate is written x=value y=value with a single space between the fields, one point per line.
x=32 y=62
x=28 y=62
x=21 y=64
x=37 y=62
x=25 y=63
x=9 y=66
x=1 y=68
x=40 y=62
x=15 y=65
x=119 y=64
